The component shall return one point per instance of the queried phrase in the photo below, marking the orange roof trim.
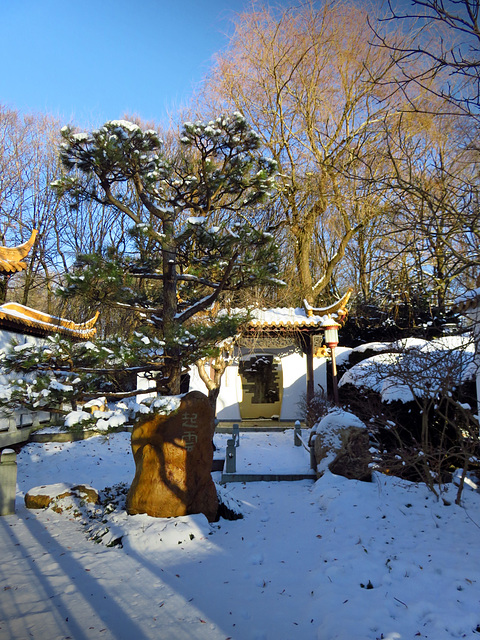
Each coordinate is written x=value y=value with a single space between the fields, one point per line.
x=339 y=307
x=13 y=314
x=306 y=318
x=11 y=258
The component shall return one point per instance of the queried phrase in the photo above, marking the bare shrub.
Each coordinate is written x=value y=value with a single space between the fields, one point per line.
x=420 y=404
x=311 y=412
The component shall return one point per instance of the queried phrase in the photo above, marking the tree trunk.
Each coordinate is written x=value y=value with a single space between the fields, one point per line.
x=213 y=385
x=173 y=365
x=302 y=234
x=3 y=287
x=362 y=266
x=212 y=398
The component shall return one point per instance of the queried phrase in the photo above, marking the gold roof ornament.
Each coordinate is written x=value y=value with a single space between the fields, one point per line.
x=15 y=316
x=338 y=308
x=11 y=258
x=306 y=318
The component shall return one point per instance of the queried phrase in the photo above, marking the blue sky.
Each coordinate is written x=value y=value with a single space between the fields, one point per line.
x=88 y=61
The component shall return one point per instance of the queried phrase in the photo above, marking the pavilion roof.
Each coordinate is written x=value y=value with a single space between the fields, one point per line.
x=299 y=318
x=17 y=317
x=467 y=302
x=11 y=258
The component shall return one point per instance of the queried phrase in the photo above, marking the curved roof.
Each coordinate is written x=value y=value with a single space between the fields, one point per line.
x=338 y=308
x=17 y=317
x=469 y=301
x=299 y=318
x=11 y=258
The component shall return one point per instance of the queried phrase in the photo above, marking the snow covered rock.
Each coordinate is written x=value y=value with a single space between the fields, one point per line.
x=341 y=444
x=42 y=497
x=173 y=459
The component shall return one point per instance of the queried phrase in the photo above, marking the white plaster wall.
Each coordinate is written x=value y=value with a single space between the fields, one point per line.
x=295 y=382
x=230 y=395
x=294 y=368
x=320 y=374
x=230 y=392
x=7 y=337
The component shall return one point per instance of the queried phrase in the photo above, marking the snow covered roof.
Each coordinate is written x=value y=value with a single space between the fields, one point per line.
x=11 y=258
x=467 y=301
x=283 y=317
x=306 y=317
x=17 y=317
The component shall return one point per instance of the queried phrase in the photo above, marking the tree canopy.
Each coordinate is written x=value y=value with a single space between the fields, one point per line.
x=194 y=236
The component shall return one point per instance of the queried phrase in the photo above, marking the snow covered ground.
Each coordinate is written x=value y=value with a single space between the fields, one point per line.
x=335 y=559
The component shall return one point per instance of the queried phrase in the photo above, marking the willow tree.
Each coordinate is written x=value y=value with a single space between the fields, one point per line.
x=313 y=86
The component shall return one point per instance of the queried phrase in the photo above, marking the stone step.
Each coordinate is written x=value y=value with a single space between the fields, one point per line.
x=266 y=477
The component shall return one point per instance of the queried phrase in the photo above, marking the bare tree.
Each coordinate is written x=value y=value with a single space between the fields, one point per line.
x=442 y=54
x=434 y=190
x=309 y=81
x=28 y=163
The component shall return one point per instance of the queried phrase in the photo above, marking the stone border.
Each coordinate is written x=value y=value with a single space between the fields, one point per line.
x=266 y=477
x=74 y=435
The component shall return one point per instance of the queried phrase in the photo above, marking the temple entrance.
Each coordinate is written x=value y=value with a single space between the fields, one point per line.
x=262 y=386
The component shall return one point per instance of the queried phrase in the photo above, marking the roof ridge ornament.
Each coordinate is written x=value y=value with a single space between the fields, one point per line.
x=14 y=313
x=11 y=258
x=338 y=307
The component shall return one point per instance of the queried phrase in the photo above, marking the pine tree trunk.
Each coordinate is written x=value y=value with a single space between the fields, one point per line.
x=173 y=365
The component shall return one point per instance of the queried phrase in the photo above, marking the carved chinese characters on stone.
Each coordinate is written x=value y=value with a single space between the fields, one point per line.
x=173 y=459
x=189 y=423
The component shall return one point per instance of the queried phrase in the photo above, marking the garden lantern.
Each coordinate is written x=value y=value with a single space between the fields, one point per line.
x=330 y=328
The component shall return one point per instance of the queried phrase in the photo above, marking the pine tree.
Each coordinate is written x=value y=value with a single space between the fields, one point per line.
x=193 y=238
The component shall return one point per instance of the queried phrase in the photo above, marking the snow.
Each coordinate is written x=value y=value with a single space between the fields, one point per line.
x=76 y=417
x=58 y=386
x=415 y=367
x=282 y=316
x=373 y=346
x=124 y=124
x=332 y=560
x=330 y=428
x=196 y=220
x=81 y=137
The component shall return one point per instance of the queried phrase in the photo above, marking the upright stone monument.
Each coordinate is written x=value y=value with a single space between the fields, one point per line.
x=173 y=458
x=8 y=481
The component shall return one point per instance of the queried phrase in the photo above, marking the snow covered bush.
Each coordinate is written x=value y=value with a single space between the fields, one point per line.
x=118 y=415
x=418 y=397
x=341 y=444
x=60 y=376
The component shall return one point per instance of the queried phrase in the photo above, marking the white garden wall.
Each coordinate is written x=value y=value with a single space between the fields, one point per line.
x=294 y=367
